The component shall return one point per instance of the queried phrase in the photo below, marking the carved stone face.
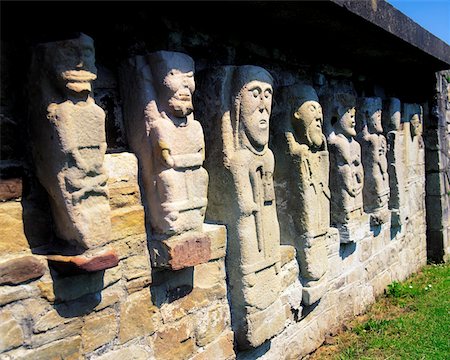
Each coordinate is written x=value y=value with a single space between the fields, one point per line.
x=73 y=63
x=177 y=91
x=347 y=122
x=374 y=122
x=309 y=120
x=416 y=125
x=255 y=109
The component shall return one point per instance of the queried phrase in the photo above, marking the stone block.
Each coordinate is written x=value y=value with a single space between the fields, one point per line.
x=10 y=294
x=133 y=352
x=122 y=169
x=46 y=290
x=136 y=266
x=221 y=348
x=12 y=236
x=10 y=189
x=210 y=323
x=67 y=349
x=314 y=290
x=289 y=274
x=110 y=296
x=261 y=289
x=127 y=221
x=218 y=237
x=174 y=342
x=355 y=230
x=18 y=270
x=63 y=331
x=287 y=254
x=138 y=316
x=263 y=325
x=98 y=329
x=138 y=284
x=78 y=286
x=380 y=282
x=131 y=245
x=79 y=264
x=209 y=274
x=11 y=334
x=180 y=251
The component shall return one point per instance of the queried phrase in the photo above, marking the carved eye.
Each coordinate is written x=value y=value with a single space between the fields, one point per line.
x=255 y=93
x=312 y=108
x=267 y=93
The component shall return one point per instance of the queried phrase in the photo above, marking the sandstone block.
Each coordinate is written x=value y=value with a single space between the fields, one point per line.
x=71 y=265
x=98 y=329
x=134 y=352
x=138 y=284
x=173 y=343
x=136 y=266
x=181 y=251
x=218 y=237
x=10 y=294
x=287 y=253
x=138 y=316
x=209 y=274
x=210 y=323
x=46 y=290
x=67 y=349
x=257 y=293
x=60 y=332
x=12 y=236
x=127 y=221
x=315 y=290
x=10 y=189
x=15 y=271
x=110 y=296
x=220 y=349
x=355 y=230
x=11 y=334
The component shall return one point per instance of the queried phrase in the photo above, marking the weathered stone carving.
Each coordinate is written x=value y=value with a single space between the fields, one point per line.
x=391 y=117
x=374 y=149
x=302 y=175
x=169 y=144
x=346 y=170
x=69 y=144
x=236 y=104
x=415 y=157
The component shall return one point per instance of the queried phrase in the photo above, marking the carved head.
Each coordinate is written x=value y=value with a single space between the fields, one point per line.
x=345 y=115
x=391 y=115
x=307 y=119
x=370 y=108
x=173 y=74
x=71 y=62
x=253 y=104
x=416 y=125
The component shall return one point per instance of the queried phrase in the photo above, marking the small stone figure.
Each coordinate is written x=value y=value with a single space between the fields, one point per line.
x=69 y=145
x=242 y=196
x=374 y=149
x=303 y=166
x=391 y=116
x=169 y=144
x=346 y=170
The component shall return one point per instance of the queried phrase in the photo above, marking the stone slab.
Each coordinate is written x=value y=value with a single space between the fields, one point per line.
x=16 y=271
x=10 y=189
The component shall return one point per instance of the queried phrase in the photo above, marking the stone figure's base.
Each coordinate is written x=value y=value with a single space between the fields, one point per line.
x=314 y=290
x=354 y=230
x=71 y=265
x=261 y=325
x=379 y=217
x=181 y=251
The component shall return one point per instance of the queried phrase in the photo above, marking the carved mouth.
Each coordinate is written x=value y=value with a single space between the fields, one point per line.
x=263 y=123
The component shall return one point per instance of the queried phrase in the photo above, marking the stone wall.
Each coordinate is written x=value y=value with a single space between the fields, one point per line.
x=268 y=276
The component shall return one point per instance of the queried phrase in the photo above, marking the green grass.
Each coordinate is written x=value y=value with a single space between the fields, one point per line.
x=411 y=321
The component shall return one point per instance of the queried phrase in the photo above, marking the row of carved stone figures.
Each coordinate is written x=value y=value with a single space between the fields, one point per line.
x=234 y=106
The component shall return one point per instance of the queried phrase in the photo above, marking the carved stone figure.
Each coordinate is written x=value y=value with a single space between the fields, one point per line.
x=346 y=170
x=396 y=159
x=169 y=144
x=374 y=149
x=415 y=156
x=236 y=104
x=69 y=144
x=303 y=177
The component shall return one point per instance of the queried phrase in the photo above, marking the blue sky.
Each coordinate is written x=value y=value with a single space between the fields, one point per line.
x=433 y=15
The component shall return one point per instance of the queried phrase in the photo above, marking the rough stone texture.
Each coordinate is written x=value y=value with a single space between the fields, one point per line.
x=18 y=270
x=12 y=236
x=373 y=150
x=69 y=159
x=11 y=334
x=221 y=348
x=134 y=352
x=10 y=189
x=302 y=175
x=98 y=329
x=241 y=193
x=138 y=316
